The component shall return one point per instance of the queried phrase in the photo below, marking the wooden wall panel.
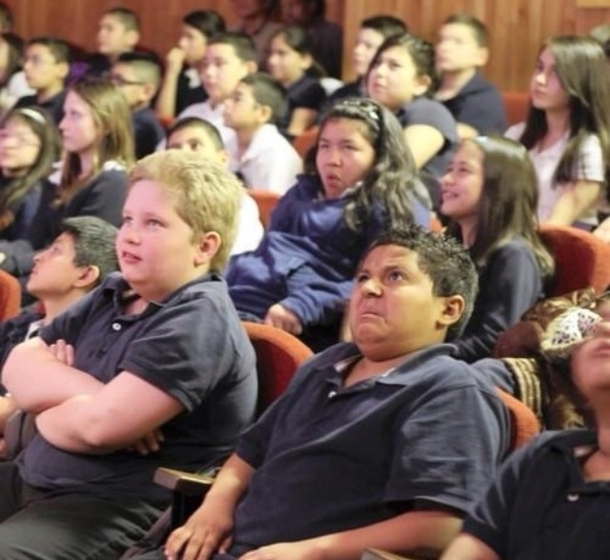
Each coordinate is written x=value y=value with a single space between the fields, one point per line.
x=517 y=27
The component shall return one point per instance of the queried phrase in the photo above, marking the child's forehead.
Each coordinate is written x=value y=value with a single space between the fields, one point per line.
x=463 y=30
x=221 y=50
x=112 y=20
x=190 y=132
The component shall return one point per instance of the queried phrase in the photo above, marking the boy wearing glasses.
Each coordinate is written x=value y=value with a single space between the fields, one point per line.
x=46 y=66
x=137 y=75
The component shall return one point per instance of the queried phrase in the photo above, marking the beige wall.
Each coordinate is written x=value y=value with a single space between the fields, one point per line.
x=517 y=27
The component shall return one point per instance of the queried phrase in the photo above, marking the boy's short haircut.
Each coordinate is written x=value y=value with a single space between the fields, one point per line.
x=195 y=122
x=94 y=243
x=59 y=49
x=242 y=44
x=267 y=91
x=478 y=28
x=385 y=25
x=207 y=195
x=444 y=260
x=145 y=66
x=128 y=18
x=208 y=22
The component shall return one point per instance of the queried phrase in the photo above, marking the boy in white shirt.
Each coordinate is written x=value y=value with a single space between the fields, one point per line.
x=258 y=152
x=201 y=137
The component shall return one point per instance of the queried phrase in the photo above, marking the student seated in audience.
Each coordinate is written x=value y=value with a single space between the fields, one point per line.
x=256 y=19
x=77 y=487
x=75 y=263
x=372 y=33
x=341 y=461
x=258 y=152
x=290 y=62
x=118 y=33
x=137 y=76
x=326 y=36
x=228 y=58
x=46 y=66
x=567 y=130
x=92 y=181
x=489 y=193
x=29 y=145
x=461 y=51
x=13 y=84
x=301 y=275
x=202 y=138
x=181 y=84
x=550 y=499
x=401 y=76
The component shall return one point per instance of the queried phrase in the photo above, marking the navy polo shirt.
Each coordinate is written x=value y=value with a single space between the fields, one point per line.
x=541 y=508
x=191 y=345
x=479 y=104
x=330 y=458
x=54 y=106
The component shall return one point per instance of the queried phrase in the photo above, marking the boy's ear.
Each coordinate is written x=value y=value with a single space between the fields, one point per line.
x=209 y=244
x=148 y=91
x=63 y=69
x=132 y=37
x=451 y=312
x=266 y=113
x=482 y=56
x=88 y=277
x=251 y=67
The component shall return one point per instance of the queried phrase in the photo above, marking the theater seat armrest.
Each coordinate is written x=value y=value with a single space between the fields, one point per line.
x=189 y=484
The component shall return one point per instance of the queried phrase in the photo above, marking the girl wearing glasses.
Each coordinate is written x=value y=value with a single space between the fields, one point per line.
x=29 y=144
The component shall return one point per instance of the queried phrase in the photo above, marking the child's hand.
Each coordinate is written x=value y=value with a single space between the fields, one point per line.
x=282 y=318
x=175 y=60
x=63 y=351
x=150 y=443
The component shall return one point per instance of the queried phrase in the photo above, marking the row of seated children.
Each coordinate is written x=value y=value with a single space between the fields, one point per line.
x=430 y=279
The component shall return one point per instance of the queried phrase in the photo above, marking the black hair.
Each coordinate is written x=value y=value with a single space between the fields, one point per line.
x=128 y=18
x=385 y=25
x=188 y=122
x=208 y=22
x=267 y=91
x=94 y=243
x=444 y=260
x=59 y=49
x=420 y=51
x=242 y=44
x=478 y=28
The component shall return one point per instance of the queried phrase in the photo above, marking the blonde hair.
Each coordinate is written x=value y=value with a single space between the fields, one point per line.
x=207 y=196
x=114 y=141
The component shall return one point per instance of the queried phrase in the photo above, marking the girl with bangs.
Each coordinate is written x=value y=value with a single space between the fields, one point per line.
x=489 y=193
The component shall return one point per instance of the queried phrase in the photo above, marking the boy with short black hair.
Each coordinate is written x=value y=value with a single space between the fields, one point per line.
x=46 y=65
x=384 y=442
x=461 y=52
x=132 y=359
x=137 y=75
x=258 y=152
x=118 y=33
x=228 y=58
